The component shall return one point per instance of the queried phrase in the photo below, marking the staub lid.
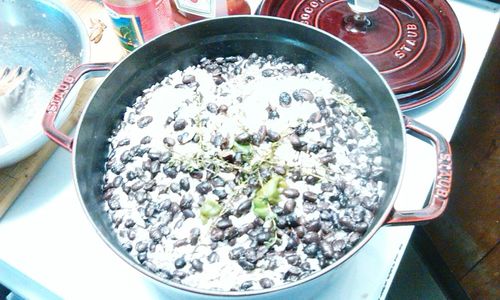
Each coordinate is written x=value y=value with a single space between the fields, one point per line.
x=413 y=43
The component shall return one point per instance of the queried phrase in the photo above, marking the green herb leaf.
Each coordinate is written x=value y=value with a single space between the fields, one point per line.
x=266 y=196
x=209 y=209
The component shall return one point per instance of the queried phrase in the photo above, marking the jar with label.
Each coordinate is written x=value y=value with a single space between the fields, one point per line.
x=137 y=21
x=185 y=11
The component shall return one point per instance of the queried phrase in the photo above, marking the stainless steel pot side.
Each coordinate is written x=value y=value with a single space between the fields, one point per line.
x=243 y=35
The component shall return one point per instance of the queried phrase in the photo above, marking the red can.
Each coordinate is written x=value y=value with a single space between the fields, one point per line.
x=137 y=21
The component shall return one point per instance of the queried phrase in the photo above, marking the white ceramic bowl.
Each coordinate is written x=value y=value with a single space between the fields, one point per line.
x=51 y=39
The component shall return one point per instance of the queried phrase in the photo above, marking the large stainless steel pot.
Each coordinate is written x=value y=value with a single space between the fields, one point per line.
x=241 y=36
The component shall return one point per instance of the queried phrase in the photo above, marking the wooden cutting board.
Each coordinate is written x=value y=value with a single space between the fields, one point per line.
x=14 y=179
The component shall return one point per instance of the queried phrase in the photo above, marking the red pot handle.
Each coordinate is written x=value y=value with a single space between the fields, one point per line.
x=441 y=186
x=59 y=97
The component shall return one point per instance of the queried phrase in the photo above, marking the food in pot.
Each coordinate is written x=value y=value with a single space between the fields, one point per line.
x=242 y=174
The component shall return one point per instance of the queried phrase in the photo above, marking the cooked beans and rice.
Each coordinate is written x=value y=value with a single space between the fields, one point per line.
x=252 y=169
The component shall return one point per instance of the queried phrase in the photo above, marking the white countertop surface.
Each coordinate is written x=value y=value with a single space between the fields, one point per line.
x=49 y=249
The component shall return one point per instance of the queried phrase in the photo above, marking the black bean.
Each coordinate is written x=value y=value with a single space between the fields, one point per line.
x=149 y=185
x=265 y=174
x=186 y=201
x=108 y=194
x=184 y=138
x=285 y=99
x=169 y=141
x=114 y=203
x=155 y=167
x=204 y=187
x=311 y=250
x=179 y=274
x=141 y=246
x=131 y=175
x=197 y=265
x=297 y=144
x=266 y=283
x=250 y=255
x=116 y=219
x=218 y=79
x=212 y=107
x=213 y=257
x=222 y=109
x=146 y=140
x=291 y=219
x=361 y=227
x=245 y=228
x=142 y=257
x=326 y=249
x=236 y=253
x=224 y=223
x=263 y=237
x=165 y=205
x=311 y=237
x=338 y=245
x=180 y=124
x=245 y=265
x=217 y=182
x=231 y=233
x=129 y=223
x=272 y=114
x=303 y=95
x=196 y=174
x=273 y=136
x=293 y=259
x=242 y=138
x=267 y=73
x=315 y=117
x=137 y=185
x=279 y=170
x=151 y=266
x=188 y=213
x=131 y=234
x=220 y=193
x=181 y=242
x=312 y=180
x=144 y=121
x=170 y=171
x=320 y=102
x=150 y=210
x=126 y=156
x=165 y=157
x=313 y=225
x=186 y=79
x=216 y=234
x=301 y=129
x=314 y=148
x=278 y=210
x=180 y=263
x=123 y=142
x=300 y=231
x=117 y=167
x=155 y=234
x=117 y=181
x=246 y=285
x=154 y=154
x=310 y=196
x=291 y=193
x=244 y=207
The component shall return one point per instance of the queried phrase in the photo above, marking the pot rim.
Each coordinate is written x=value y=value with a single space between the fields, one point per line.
x=365 y=237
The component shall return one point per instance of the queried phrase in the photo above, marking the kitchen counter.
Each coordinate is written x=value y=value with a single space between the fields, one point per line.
x=49 y=249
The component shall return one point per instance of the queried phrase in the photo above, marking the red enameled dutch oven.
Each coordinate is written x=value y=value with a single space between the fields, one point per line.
x=243 y=35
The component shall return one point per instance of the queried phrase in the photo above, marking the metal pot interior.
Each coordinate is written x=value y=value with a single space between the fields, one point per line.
x=225 y=37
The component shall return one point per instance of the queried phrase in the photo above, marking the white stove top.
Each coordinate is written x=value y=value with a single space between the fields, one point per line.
x=50 y=250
